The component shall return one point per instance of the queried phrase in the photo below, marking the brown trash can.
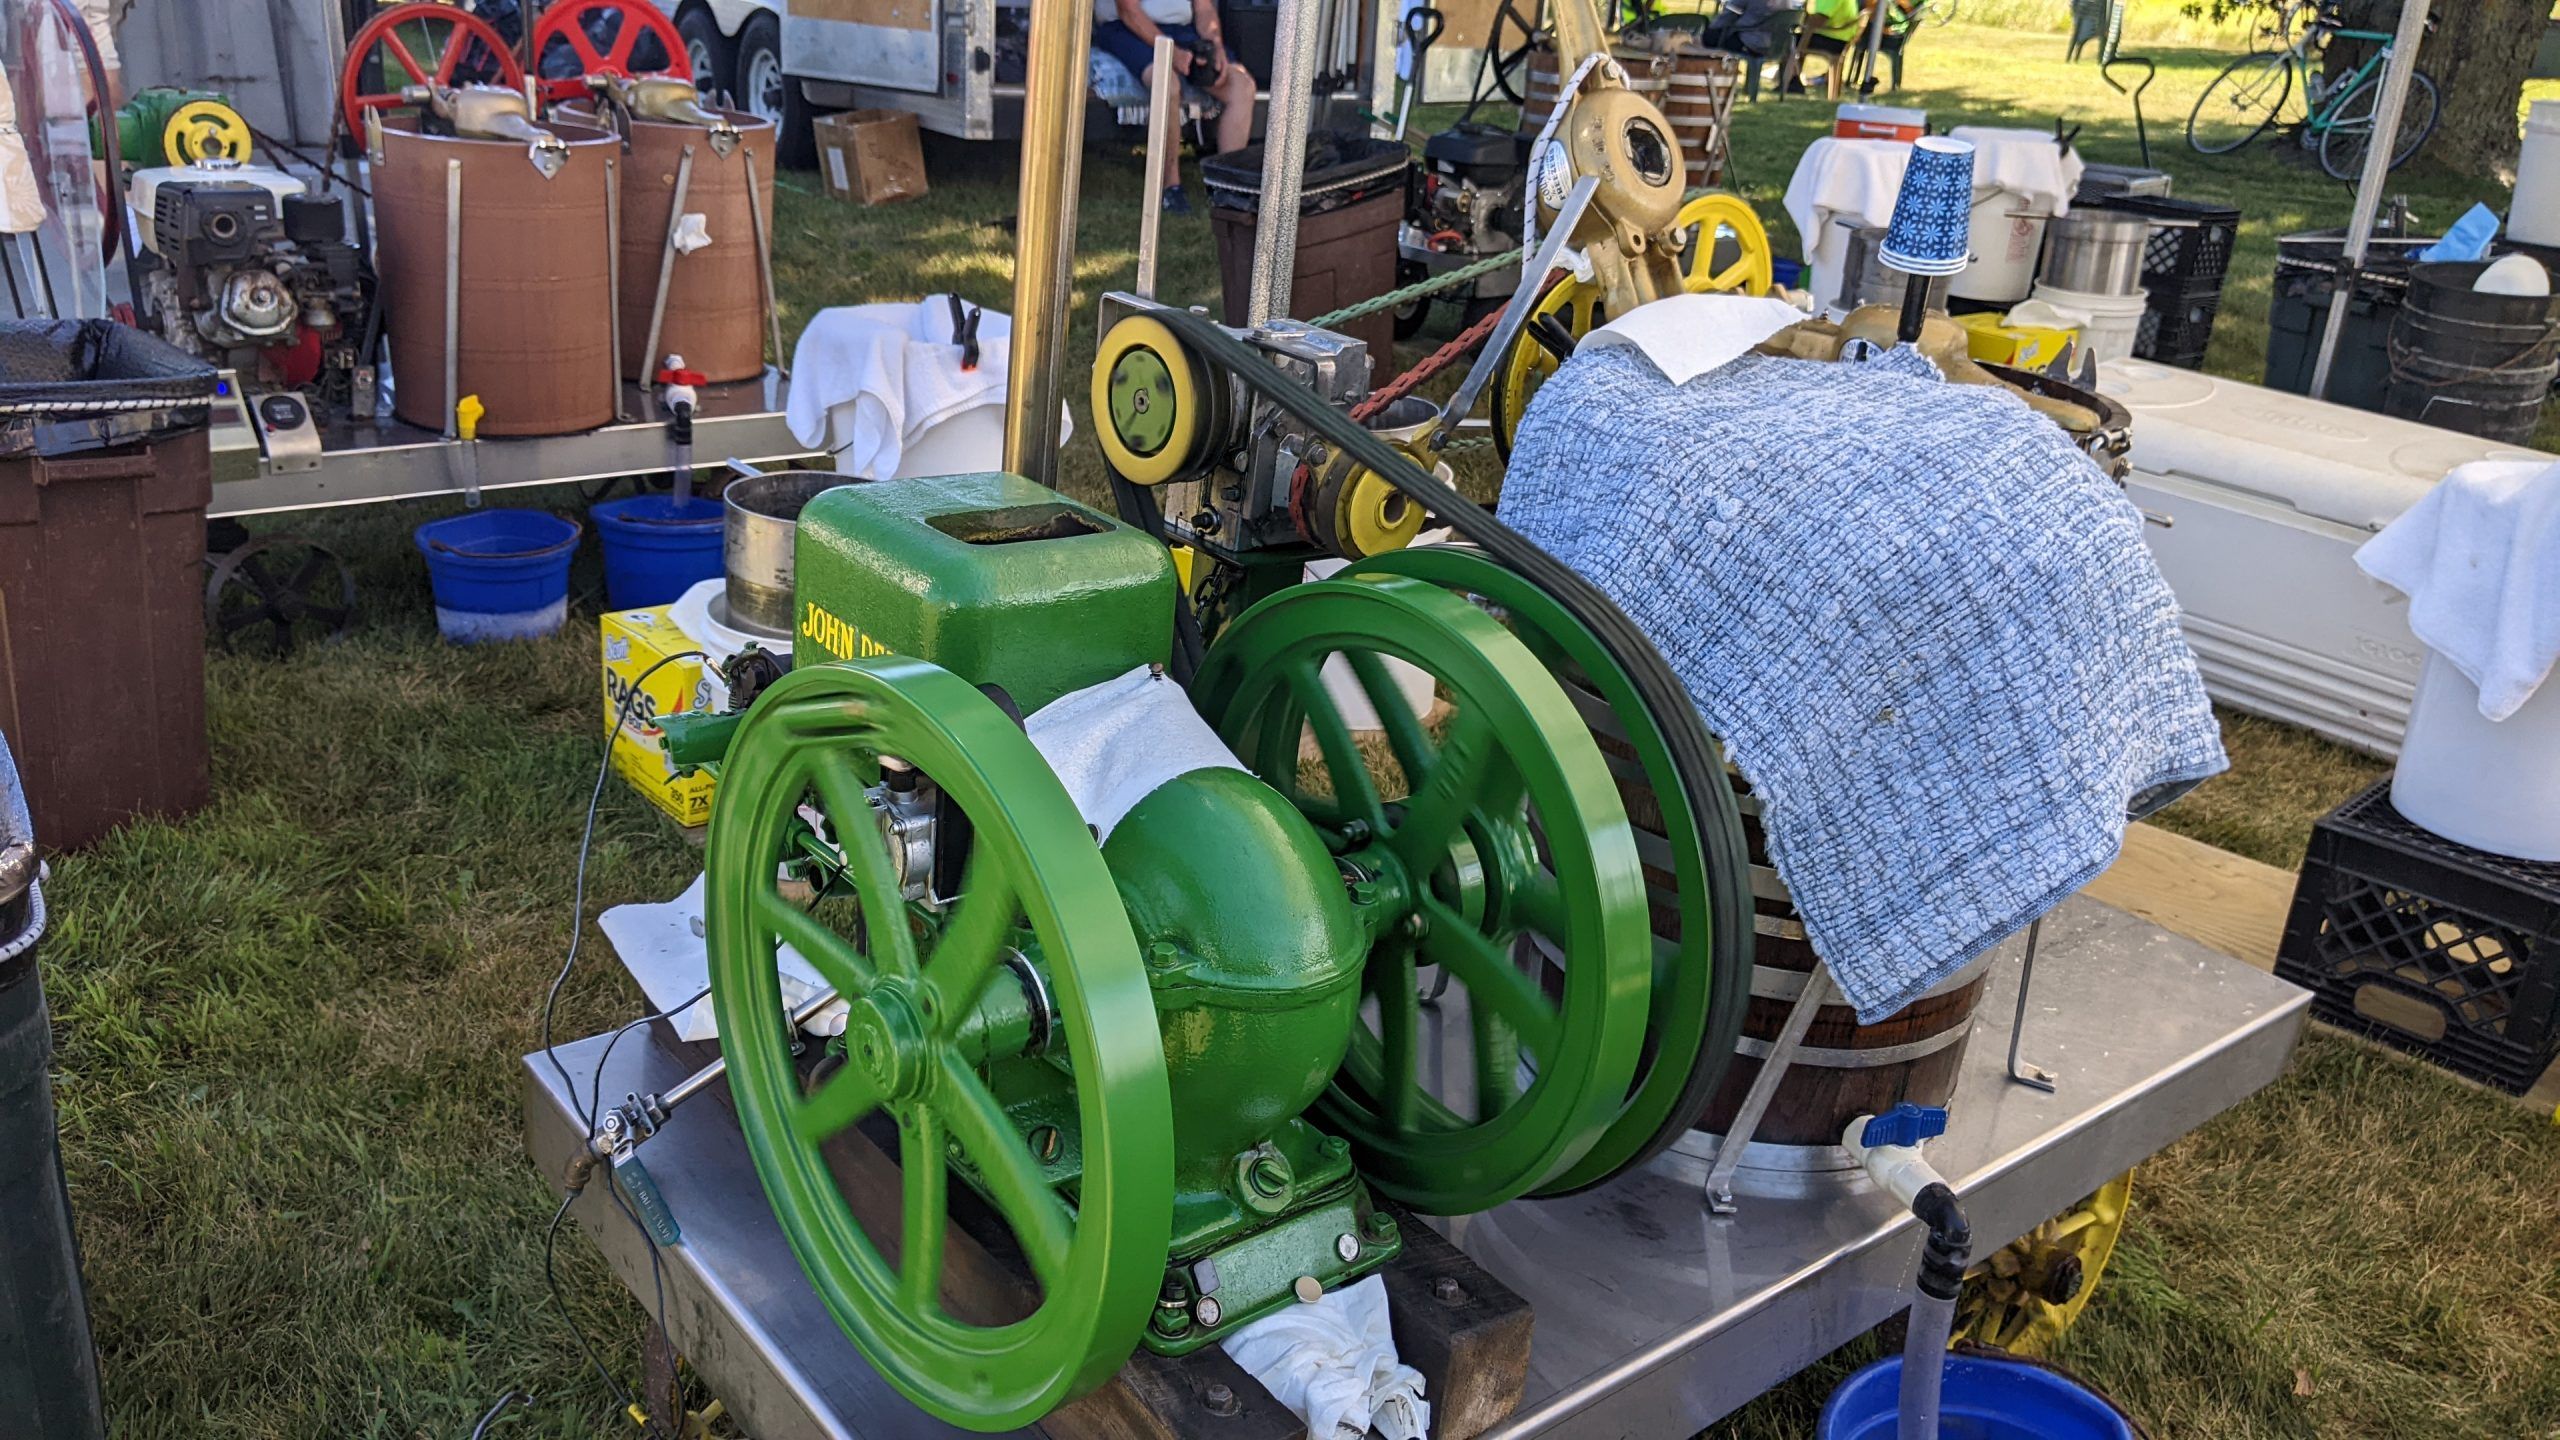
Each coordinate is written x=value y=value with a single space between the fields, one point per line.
x=1347 y=219
x=102 y=573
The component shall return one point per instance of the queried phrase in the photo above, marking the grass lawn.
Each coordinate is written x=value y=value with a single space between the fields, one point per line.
x=289 y=1024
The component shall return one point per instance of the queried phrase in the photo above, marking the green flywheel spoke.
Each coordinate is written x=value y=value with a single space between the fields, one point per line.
x=845 y=1098
x=1353 y=787
x=1013 y=1177
x=827 y=952
x=1426 y=1127
x=1395 y=715
x=849 y=814
x=1492 y=981
x=1538 y=904
x=924 y=1213
x=973 y=941
x=1035 y=868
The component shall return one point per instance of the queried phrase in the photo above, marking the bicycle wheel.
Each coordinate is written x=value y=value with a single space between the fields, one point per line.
x=2350 y=129
x=2241 y=102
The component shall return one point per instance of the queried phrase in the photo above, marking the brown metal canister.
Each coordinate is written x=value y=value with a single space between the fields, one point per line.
x=715 y=296
x=536 y=324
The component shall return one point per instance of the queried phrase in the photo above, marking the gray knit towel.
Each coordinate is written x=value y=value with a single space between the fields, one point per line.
x=1925 y=626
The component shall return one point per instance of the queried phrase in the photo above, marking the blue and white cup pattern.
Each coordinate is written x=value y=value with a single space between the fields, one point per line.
x=1933 y=214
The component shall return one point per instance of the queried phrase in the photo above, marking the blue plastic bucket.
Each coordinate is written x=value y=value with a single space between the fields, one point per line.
x=1983 y=1399
x=499 y=574
x=655 y=549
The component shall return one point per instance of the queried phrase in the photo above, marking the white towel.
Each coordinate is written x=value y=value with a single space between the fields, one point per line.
x=2479 y=558
x=1332 y=1361
x=1686 y=336
x=867 y=379
x=662 y=946
x=1112 y=744
x=1854 y=182
x=2023 y=162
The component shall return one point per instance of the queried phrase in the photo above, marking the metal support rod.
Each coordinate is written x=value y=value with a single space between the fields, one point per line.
x=1764 y=1089
x=764 y=261
x=694 y=1084
x=1284 y=160
x=613 y=277
x=1515 y=314
x=2027 y=1072
x=2378 y=151
x=452 y=296
x=666 y=278
x=1045 y=235
x=1875 y=47
x=1163 y=103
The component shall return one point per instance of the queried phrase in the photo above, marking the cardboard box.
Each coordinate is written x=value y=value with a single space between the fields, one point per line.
x=870 y=155
x=634 y=640
x=1993 y=341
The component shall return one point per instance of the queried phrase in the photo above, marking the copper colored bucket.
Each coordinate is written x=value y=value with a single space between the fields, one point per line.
x=535 y=334
x=715 y=296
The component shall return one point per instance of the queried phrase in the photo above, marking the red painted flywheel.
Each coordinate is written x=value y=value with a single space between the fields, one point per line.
x=421 y=43
x=626 y=25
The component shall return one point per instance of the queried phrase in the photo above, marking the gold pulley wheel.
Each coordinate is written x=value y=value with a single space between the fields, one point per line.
x=1709 y=218
x=1579 y=307
x=202 y=130
x=1151 y=402
x=2025 y=1294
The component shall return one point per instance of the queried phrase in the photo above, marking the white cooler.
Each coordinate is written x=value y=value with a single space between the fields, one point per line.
x=2269 y=494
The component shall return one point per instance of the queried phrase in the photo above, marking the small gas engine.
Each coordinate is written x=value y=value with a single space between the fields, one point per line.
x=243 y=266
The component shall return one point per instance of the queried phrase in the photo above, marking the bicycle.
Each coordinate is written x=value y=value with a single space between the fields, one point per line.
x=2252 y=90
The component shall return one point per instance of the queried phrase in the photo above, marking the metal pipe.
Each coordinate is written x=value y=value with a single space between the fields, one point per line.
x=1284 y=161
x=695 y=1083
x=1764 y=1089
x=1875 y=47
x=666 y=277
x=613 y=277
x=2377 y=164
x=452 y=296
x=764 y=262
x=1045 y=235
x=1161 y=105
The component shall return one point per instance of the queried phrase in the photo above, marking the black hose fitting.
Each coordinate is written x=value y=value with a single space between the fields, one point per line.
x=1943 y=1258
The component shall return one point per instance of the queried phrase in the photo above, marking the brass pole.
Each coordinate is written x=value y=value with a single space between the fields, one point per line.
x=1045 y=235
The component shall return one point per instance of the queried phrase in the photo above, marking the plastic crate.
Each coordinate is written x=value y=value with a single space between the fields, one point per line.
x=2176 y=327
x=2449 y=953
x=2190 y=242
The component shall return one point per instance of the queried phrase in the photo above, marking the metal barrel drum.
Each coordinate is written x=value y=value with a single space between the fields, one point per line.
x=1648 y=74
x=1698 y=101
x=520 y=255
x=715 y=311
x=1843 y=1069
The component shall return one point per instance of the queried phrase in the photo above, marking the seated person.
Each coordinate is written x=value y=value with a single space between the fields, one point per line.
x=1840 y=27
x=1128 y=29
x=1742 y=26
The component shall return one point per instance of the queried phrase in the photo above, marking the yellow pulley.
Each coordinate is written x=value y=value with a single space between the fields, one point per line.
x=202 y=130
x=1579 y=307
x=1150 y=402
x=2022 y=1296
x=1708 y=218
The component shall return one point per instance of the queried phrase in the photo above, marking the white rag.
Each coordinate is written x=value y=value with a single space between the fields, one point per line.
x=867 y=379
x=1112 y=744
x=2479 y=558
x=1685 y=336
x=1333 y=1363
x=21 y=194
x=1855 y=182
x=662 y=946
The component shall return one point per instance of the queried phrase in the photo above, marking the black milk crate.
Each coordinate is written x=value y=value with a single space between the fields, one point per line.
x=2177 y=327
x=2449 y=953
x=2190 y=243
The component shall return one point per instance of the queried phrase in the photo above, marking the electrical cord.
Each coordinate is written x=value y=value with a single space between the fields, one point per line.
x=560 y=1302
x=512 y=1398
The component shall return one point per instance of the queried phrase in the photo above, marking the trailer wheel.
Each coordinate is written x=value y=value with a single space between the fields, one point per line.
x=766 y=92
x=709 y=52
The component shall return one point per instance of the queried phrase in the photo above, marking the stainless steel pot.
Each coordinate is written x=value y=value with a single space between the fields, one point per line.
x=1866 y=280
x=761 y=522
x=2095 y=252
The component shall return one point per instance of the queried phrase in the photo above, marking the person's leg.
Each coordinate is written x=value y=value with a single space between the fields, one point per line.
x=1123 y=45
x=1235 y=117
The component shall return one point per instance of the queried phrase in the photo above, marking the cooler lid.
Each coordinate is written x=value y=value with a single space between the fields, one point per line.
x=2324 y=460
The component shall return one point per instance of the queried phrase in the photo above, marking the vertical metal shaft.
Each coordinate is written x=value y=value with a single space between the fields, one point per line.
x=1161 y=105
x=613 y=276
x=452 y=296
x=1044 y=250
x=757 y=197
x=1284 y=160
x=2377 y=164
x=666 y=277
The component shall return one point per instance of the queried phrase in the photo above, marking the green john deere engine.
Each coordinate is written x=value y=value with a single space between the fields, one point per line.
x=1173 y=1062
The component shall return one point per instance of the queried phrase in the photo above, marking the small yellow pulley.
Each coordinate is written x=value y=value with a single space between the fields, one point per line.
x=2023 y=1296
x=1150 y=405
x=1578 y=307
x=1708 y=218
x=202 y=130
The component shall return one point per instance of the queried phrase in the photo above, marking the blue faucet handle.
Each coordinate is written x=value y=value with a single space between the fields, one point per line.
x=1905 y=1124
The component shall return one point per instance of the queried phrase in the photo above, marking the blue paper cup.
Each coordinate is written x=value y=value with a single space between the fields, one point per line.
x=1933 y=214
